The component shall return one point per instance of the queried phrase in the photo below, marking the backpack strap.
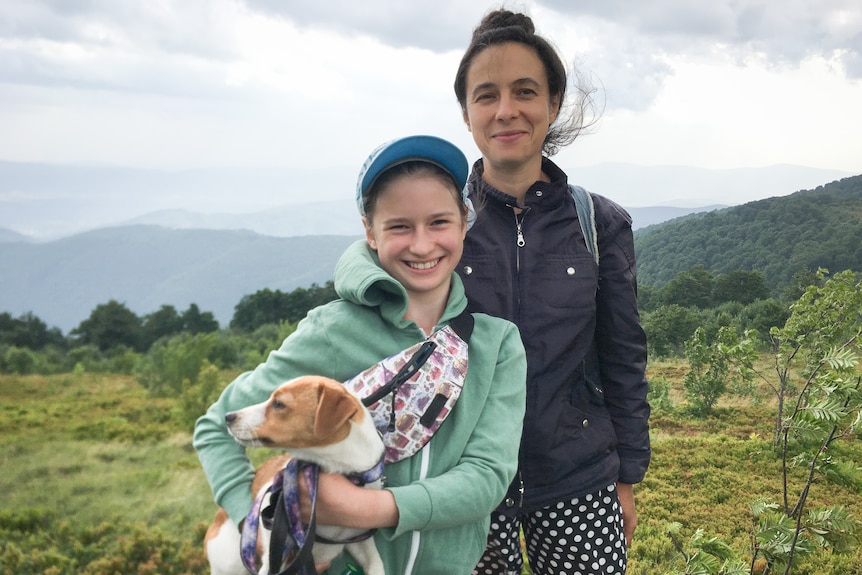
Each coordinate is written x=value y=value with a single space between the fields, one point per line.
x=587 y=218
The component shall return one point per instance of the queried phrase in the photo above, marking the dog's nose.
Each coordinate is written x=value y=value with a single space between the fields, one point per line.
x=228 y=418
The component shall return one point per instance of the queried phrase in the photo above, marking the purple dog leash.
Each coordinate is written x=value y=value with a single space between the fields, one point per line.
x=282 y=516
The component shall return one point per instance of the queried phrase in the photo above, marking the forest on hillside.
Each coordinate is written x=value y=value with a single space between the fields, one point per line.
x=779 y=237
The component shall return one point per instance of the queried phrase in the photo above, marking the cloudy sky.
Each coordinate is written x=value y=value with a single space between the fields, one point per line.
x=289 y=84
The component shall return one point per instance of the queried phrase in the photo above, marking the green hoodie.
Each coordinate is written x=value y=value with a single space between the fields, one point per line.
x=446 y=493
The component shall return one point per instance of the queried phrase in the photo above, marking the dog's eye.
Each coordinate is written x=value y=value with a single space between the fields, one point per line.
x=276 y=404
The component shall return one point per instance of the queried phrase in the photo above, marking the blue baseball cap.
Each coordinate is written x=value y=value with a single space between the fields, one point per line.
x=429 y=149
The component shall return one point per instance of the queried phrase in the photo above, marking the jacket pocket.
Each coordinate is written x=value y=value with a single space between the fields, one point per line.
x=584 y=434
x=488 y=289
x=568 y=281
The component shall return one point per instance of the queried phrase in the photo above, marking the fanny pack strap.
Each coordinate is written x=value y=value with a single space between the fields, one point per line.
x=411 y=393
x=462 y=325
x=409 y=370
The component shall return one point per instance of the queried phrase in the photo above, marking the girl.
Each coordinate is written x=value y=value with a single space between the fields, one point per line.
x=396 y=287
x=586 y=434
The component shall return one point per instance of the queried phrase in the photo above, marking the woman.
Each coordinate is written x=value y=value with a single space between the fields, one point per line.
x=586 y=434
x=396 y=287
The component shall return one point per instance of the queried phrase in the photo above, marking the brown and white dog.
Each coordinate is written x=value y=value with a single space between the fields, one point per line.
x=318 y=420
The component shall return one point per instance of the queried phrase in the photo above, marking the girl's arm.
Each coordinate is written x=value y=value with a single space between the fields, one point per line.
x=224 y=461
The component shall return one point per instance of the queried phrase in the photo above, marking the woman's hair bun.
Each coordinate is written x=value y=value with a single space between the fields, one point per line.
x=504 y=19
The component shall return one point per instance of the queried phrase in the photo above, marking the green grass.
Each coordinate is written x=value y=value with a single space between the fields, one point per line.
x=99 y=478
x=93 y=448
x=159 y=483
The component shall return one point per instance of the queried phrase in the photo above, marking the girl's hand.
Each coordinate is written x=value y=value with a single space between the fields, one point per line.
x=340 y=502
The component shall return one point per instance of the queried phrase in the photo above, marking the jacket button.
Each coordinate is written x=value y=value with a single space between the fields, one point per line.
x=586 y=422
x=510 y=502
x=570 y=271
x=468 y=270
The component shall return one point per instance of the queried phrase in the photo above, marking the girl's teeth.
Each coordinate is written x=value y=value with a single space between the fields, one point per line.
x=423 y=266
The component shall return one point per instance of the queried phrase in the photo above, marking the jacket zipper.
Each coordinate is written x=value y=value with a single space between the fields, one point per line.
x=521 y=242
x=518 y=222
x=416 y=536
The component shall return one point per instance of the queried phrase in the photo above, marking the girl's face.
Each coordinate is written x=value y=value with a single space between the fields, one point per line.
x=418 y=232
x=509 y=106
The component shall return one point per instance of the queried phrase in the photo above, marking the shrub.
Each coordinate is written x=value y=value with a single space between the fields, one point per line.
x=172 y=361
x=19 y=360
x=89 y=357
x=821 y=344
x=197 y=397
x=668 y=327
x=34 y=542
x=659 y=395
x=715 y=365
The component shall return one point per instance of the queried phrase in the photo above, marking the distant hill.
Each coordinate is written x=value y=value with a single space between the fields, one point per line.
x=337 y=217
x=650 y=216
x=777 y=236
x=688 y=186
x=12 y=236
x=318 y=218
x=311 y=219
x=145 y=267
x=47 y=202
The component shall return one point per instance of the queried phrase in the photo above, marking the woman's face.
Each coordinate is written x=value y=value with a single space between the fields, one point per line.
x=418 y=233
x=509 y=106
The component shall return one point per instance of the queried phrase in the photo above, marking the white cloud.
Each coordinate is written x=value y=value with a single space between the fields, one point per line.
x=717 y=114
x=258 y=83
x=438 y=25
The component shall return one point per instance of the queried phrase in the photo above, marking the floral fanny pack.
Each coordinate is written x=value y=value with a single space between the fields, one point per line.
x=411 y=393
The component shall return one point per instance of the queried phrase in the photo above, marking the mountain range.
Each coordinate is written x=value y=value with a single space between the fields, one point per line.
x=47 y=202
x=178 y=258
x=783 y=238
x=181 y=257
x=146 y=267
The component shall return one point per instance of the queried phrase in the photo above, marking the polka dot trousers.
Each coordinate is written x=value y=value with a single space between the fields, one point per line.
x=583 y=536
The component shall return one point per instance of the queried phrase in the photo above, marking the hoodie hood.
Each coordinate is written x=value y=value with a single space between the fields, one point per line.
x=360 y=279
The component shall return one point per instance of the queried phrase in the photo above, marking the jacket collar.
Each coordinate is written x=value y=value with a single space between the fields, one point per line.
x=542 y=195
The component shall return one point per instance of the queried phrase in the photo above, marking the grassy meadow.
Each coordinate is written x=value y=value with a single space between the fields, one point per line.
x=100 y=478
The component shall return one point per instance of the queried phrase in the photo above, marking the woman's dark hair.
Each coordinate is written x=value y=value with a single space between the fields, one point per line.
x=503 y=26
x=413 y=168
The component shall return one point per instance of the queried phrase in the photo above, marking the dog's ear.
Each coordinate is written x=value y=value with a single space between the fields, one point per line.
x=334 y=408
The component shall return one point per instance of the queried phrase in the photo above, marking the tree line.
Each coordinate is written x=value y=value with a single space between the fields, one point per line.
x=698 y=298
x=113 y=337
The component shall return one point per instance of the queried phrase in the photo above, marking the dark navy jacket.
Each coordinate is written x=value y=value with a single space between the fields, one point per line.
x=586 y=424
